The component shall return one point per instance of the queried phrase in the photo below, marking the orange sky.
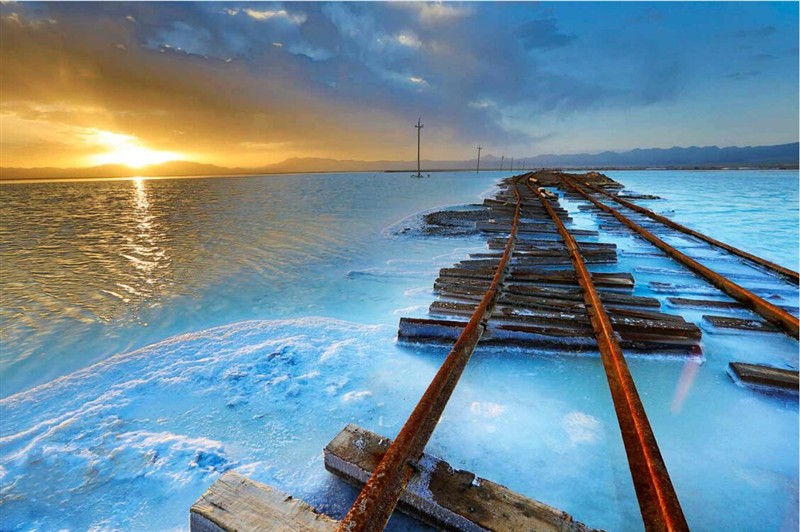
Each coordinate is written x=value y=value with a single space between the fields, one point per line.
x=85 y=84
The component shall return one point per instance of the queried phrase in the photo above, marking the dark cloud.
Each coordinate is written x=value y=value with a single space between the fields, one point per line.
x=542 y=34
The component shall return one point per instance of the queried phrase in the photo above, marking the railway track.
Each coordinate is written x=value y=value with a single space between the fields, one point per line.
x=541 y=303
x=769 y=311
x=532 y=287
x=376 y=502
x=786 y=273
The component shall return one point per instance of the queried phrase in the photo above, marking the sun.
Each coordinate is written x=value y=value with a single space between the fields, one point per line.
x=127 y=150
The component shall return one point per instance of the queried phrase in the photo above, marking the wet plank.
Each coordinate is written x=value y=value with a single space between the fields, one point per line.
x=235 y=502
x=546 y=334
x=554 y=280
x=442 y=496
x=632 y=196
x=724 y=322
x=553 y=298
x=703 y=303
x=655 y=327
x=505 y=228
x=764 y=378
x=531 y=273
x=534 y=244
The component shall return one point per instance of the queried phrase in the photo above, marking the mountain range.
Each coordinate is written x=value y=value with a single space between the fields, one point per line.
x=776 y=156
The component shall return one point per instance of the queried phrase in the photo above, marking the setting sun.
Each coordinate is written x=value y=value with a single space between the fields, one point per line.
x=127 y=150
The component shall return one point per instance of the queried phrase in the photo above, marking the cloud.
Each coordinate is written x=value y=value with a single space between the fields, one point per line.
x=151 y=96
x=409 y=39
x=436 y=12
x=304 y=49
x=182 y=36
x=542 y=35
x=276 y=76
x=297 y=18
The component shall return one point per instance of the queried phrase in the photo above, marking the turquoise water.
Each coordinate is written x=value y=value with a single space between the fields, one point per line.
x=753 y=210
x=198 y=325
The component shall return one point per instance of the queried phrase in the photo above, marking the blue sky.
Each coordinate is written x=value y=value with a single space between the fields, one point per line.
x=253 y=83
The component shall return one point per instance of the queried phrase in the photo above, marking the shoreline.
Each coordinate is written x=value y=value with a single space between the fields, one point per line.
x=17 y=181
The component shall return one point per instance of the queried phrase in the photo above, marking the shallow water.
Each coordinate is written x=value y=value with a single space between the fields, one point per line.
x=91 y=269
x=304 y=278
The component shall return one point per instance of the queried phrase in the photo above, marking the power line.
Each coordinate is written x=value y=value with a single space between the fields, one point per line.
x=479 y=159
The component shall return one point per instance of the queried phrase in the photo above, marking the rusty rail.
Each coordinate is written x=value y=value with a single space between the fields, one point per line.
x=771 y=266
x=767 y=310
x=377 y=500
x=658 y=502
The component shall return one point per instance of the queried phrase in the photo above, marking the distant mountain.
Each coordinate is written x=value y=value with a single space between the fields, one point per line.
x=781 y=156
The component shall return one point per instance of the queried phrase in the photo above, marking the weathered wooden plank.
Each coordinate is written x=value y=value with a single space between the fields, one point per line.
x=670 y=288
x=530 y=271
x=639 y=313
x=765 y=378
x=534 y=244
x=572 y=337
x=498 y=227
x=703 y=303
x=674 y=329
x=534 y=251
x=574 y=294
x=633 y=196
x=538 y=258
x=724 y=322
x=605 y=280
x=442 y=496
x=610 y=281
x=235 y=502
x=510 y=314
x=550 y=298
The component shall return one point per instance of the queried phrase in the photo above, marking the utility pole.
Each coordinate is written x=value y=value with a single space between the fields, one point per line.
x=419 y=127
x=512 y=164
x=522 y=166
x=503 y=158
x=479 y=158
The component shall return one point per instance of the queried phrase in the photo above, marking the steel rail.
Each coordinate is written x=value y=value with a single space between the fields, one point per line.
x=658 y=502
x=790 y=324
x=377 y=500
x=764 y=263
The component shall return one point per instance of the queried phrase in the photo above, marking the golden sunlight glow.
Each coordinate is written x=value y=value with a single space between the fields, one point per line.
x=127 y=150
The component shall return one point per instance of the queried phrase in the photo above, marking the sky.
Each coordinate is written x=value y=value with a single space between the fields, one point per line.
x=250 y=84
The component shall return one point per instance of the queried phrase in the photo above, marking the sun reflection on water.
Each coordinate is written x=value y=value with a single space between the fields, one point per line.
x=145 y=254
